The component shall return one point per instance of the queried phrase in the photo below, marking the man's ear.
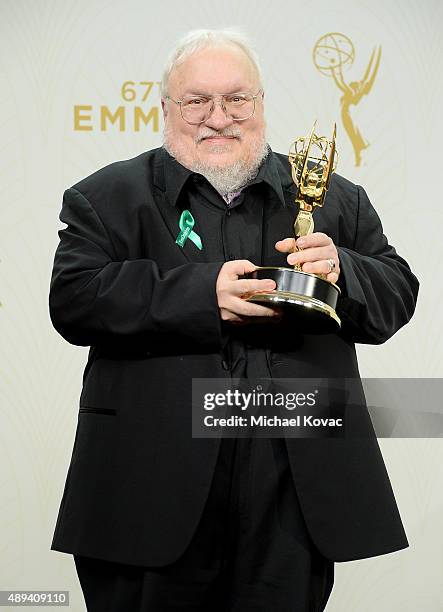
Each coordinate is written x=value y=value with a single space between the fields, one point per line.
x=164 y=108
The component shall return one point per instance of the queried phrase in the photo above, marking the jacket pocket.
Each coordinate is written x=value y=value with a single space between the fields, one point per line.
x=95 y=410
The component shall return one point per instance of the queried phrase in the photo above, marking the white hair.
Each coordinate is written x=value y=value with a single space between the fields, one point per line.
x=200 y=39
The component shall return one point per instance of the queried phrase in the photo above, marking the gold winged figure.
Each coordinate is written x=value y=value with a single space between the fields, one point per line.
x=352 y=94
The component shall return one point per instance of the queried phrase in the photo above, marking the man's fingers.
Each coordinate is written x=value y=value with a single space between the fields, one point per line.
x=251 y=285
x=312 y=254
x=238 y=267
x=227 y=315
x=316 y=251
x=317 y=239
x=249 y=309
x=319 y=267
x=332 y=277
x=231 y=290
x=285 y=246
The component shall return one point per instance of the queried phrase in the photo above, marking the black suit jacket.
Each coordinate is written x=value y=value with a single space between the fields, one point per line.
x=137 y=481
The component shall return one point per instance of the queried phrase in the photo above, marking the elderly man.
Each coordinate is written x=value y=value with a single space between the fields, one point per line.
x=157 y=519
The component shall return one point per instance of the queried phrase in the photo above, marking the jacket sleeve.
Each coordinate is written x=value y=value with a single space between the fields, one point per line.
x=95 y=299
x=379 y=291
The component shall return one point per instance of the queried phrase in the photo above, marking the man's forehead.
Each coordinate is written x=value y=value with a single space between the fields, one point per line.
x=215 y=70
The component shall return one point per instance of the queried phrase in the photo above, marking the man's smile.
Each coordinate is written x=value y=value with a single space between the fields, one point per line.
x=219 y=139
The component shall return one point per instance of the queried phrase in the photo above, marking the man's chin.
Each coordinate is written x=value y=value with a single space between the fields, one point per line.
x=218 y=161
x=211 y=149
x=219 y=156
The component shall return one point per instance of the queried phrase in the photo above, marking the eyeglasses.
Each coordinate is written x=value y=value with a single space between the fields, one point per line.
x=197 y=109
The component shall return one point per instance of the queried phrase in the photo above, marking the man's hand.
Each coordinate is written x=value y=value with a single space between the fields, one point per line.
x=317 y=248
x=231 y=290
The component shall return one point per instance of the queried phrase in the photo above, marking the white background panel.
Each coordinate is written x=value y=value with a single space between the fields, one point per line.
x=55 y=55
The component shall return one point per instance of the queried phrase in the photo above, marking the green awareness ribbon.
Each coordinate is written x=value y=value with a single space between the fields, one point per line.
x=186 y=224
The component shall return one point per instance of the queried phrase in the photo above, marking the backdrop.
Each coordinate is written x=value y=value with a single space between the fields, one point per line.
x=78 y=90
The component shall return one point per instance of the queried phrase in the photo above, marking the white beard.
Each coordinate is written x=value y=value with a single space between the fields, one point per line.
x=224 y=179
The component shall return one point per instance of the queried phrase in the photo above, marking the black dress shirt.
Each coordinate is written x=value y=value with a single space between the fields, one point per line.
x=236 y=232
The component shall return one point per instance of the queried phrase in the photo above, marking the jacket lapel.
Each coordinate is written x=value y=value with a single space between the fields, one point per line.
x=278 y=224
x=171 y=217
x=170 y=177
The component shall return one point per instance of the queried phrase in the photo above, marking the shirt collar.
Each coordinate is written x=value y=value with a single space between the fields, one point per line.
x=171 y=176
x=268 y=173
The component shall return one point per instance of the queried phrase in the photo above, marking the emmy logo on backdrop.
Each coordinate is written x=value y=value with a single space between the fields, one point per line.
x=331 y=53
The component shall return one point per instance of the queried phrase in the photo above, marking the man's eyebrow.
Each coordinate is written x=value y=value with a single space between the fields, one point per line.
x=196 y=93
x=226 y=93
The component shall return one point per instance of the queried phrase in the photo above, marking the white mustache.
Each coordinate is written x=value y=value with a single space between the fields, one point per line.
x=234 y=132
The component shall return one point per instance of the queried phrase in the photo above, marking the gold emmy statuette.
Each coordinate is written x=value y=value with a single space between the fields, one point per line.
x=310 y=296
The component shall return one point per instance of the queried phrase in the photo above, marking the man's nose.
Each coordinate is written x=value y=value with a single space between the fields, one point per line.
x=218 y=119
